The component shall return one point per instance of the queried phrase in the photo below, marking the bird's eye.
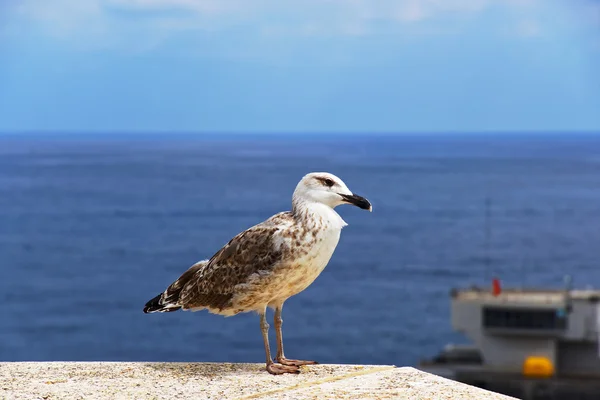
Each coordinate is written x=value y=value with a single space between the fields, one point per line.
x=328 y=182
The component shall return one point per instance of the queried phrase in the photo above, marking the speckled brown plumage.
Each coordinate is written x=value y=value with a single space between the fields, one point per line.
x=247 y=257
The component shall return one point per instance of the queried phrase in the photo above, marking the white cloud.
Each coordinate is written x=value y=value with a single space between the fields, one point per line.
x=195 y=6
x=61 y=14
x=66 y=19
x=404 y=10
x=113 y=21
x=304 y=12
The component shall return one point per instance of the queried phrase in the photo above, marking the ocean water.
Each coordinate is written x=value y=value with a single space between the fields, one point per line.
x=93 y=226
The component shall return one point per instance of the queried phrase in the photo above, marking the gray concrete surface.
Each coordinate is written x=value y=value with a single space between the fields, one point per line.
x=121 y=380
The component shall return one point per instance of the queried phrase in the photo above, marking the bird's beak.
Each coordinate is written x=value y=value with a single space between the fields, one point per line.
x=357 y=200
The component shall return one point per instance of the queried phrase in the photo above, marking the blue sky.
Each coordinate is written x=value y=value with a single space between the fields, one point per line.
x=311 y=65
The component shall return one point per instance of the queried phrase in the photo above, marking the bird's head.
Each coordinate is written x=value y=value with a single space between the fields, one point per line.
x=328 y=189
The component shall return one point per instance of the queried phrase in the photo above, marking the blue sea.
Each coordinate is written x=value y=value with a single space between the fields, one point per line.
x=92 y=226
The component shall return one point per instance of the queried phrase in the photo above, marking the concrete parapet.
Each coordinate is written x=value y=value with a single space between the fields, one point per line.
x=140 y=380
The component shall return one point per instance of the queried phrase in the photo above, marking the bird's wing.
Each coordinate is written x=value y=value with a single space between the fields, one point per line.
x=254 y=251
x=172 y=293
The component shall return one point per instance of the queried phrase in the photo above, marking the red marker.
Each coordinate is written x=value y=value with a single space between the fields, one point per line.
x=496 y=289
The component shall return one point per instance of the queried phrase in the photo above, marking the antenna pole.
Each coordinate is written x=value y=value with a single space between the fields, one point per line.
x=488 y=234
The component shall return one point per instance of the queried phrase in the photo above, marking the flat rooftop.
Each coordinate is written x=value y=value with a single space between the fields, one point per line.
x=525 y=295
x=122 y=380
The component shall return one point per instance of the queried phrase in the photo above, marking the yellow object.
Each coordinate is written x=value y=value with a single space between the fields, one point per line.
x=538 y=367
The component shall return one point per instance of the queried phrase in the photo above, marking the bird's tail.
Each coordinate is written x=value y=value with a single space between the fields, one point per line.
x=157 y=304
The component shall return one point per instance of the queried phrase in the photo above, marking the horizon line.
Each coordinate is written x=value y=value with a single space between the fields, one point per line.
x=291 y=132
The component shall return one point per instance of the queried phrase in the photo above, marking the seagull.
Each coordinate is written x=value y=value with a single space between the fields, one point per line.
x=268 y=263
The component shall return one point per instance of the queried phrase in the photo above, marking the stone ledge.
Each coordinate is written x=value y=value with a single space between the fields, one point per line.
x=138 y=380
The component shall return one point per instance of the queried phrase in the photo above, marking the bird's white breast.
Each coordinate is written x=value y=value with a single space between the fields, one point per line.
x=313 y=252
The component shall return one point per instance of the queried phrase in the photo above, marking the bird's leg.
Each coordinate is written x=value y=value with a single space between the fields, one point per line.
x=280 y=358
x=275 y=369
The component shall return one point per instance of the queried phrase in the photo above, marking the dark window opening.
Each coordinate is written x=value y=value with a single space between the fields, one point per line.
x=518 y=318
